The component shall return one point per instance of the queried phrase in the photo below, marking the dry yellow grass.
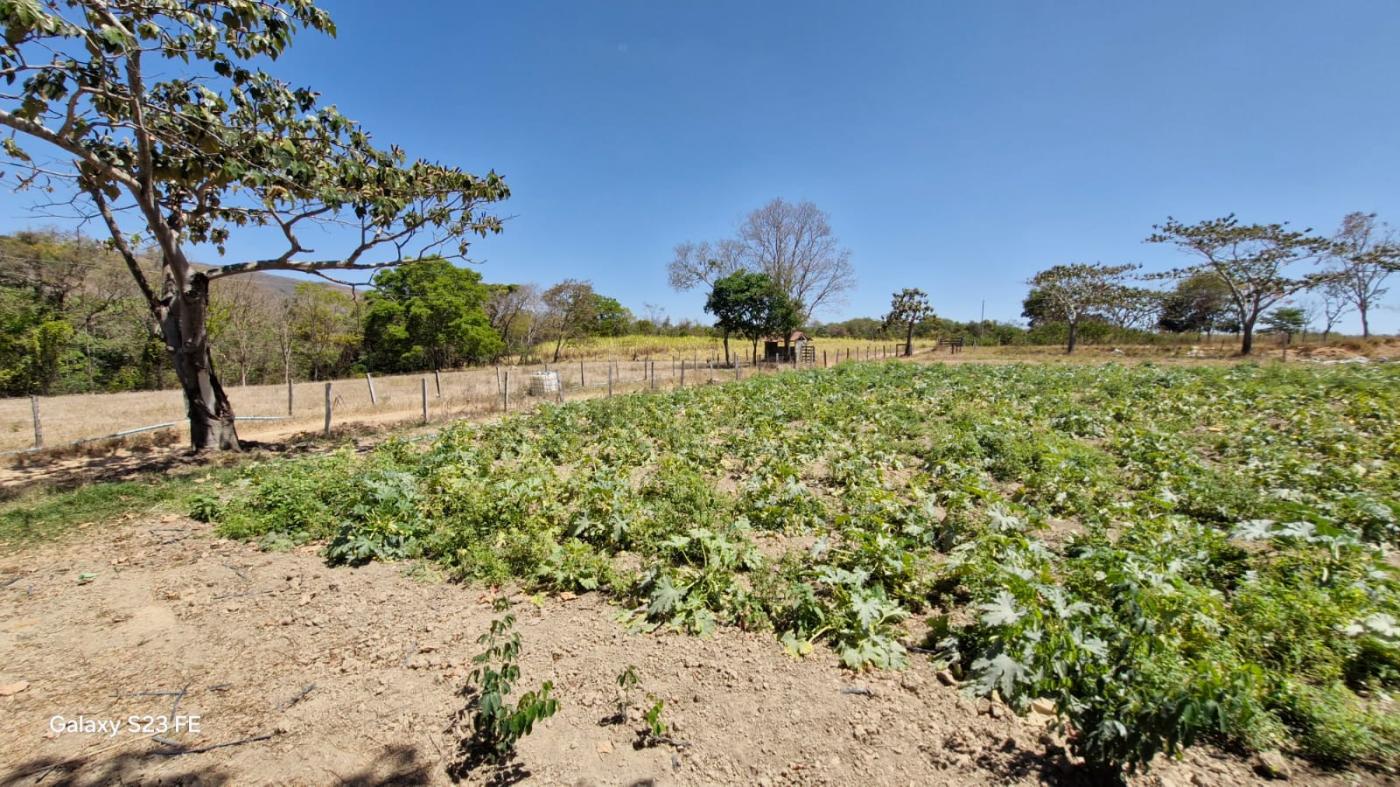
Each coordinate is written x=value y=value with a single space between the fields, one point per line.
x=701 y=348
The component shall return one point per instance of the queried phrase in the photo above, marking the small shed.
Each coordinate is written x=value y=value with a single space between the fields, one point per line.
x=797 y=345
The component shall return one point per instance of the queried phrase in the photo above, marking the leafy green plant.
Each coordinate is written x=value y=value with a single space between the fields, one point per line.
x=656 y=727
x=496 y=724
x=1169 y=554
x=205 y=507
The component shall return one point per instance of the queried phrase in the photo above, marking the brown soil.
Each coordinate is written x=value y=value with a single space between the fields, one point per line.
x=352 y=675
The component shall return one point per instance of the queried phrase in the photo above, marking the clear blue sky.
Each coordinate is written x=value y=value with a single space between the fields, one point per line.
x=958 y=147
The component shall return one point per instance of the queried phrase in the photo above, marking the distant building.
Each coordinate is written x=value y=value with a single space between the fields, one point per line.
x=798 y=346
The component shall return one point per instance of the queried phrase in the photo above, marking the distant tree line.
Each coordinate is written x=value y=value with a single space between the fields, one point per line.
x=1240 y=277
x=73 y=321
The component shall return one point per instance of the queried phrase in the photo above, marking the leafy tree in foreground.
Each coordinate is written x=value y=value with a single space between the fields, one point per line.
x=1254 y=261
x=1070 y=293
x=427 y=314
x=164 y=128
x=908 y=307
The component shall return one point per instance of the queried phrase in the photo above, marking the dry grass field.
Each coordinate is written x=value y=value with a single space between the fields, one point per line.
x=695 y=348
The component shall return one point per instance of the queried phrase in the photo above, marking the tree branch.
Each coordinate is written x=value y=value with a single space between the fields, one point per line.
x=40 y=131
x=119 y=240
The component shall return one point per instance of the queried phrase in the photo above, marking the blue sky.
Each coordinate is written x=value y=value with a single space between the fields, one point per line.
x=958 y=147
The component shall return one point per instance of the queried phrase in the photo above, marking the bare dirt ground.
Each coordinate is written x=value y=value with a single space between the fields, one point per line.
x=317 y=675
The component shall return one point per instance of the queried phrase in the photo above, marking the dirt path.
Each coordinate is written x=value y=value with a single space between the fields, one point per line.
x=352 y=674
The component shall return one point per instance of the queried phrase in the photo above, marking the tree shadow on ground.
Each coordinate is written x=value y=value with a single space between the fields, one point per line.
x=1051 y=765
x=62 y=472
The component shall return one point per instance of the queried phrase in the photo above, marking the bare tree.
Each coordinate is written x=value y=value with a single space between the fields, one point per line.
x=510 y=309
x=792 y=243
x=1336 y=301
x=1367 y=253
x=241 y=320
x=704 y=263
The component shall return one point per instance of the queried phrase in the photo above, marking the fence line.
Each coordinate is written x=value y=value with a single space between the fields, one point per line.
x=501 y=394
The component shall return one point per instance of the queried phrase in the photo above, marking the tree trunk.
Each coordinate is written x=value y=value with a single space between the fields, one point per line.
x=909 y=341
x=182 y=324
x=558 y=345
x=1247 y=337
x=1365 y=324
x=1073 y=336
x=726 y=348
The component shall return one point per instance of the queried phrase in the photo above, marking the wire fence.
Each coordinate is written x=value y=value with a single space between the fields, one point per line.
x=44 y=423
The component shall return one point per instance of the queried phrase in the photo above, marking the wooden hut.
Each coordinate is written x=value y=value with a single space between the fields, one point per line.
x=797 y=346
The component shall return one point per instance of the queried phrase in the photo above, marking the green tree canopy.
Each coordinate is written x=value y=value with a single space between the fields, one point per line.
x=753 y=306
x=908 y=307
x=1256 y=262
x=33 y=336
x=163 y=124
x=323 y=331
x=570 y=310
x=610 y=317
x=1286 y=320
x=1075 y=292
x=428 y=314
x=1199 y=304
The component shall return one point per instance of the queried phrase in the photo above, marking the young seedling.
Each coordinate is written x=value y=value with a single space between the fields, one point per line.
x=626 y=681
x=497 y=725
x=655 y=729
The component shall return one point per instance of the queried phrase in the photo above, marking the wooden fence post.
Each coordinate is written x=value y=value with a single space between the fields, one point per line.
x=424 y=386
x=38 y=427
x=609 y=379
x=289 y=396
x=328 y=409
x=437 y=380
x=682 y=374
x=505 y=394
x=370 y=381
x=823 y=359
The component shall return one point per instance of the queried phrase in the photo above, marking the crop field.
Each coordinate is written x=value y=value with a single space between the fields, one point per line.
x=1168 y=555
